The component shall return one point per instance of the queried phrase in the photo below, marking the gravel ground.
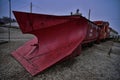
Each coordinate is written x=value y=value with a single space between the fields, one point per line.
x=94 y=63
x=15 y=34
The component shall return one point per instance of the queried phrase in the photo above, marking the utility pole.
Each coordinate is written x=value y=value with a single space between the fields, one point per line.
x=31 y=7
x=89 y=14
x=10 y=20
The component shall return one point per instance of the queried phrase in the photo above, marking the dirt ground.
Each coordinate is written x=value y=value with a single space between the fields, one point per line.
x=94 y=63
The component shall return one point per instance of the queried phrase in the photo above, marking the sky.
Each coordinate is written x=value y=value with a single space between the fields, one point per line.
x=105 y=10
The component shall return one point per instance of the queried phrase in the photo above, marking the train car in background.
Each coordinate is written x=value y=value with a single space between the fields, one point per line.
x=113 y=34
x=104 y=30
x=57 y=38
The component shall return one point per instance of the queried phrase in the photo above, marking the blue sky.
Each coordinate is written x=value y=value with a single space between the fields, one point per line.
x=106 y=10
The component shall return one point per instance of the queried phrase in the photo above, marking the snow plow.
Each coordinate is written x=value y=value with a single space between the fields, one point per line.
x=56 y=38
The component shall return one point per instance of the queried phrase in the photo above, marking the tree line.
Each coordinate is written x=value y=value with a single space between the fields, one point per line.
x=5 y=20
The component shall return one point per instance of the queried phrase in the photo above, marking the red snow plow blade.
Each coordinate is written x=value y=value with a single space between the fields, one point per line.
x=56 y=39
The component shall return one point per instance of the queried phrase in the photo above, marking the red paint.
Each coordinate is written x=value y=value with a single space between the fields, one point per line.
x=56 y=39
x=92 y=32
x=104 y=29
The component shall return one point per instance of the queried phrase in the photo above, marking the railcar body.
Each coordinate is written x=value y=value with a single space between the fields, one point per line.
x=92 y=33
x=104 y=30
x=57 y=38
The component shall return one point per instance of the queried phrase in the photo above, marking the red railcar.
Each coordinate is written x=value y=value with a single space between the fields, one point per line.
x=57 y=38
x=104 y=29
x=92 y=33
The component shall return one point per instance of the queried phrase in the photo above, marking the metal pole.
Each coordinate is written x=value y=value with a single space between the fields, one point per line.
x=31 y=7
x=89 y=14
x=10 y=20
